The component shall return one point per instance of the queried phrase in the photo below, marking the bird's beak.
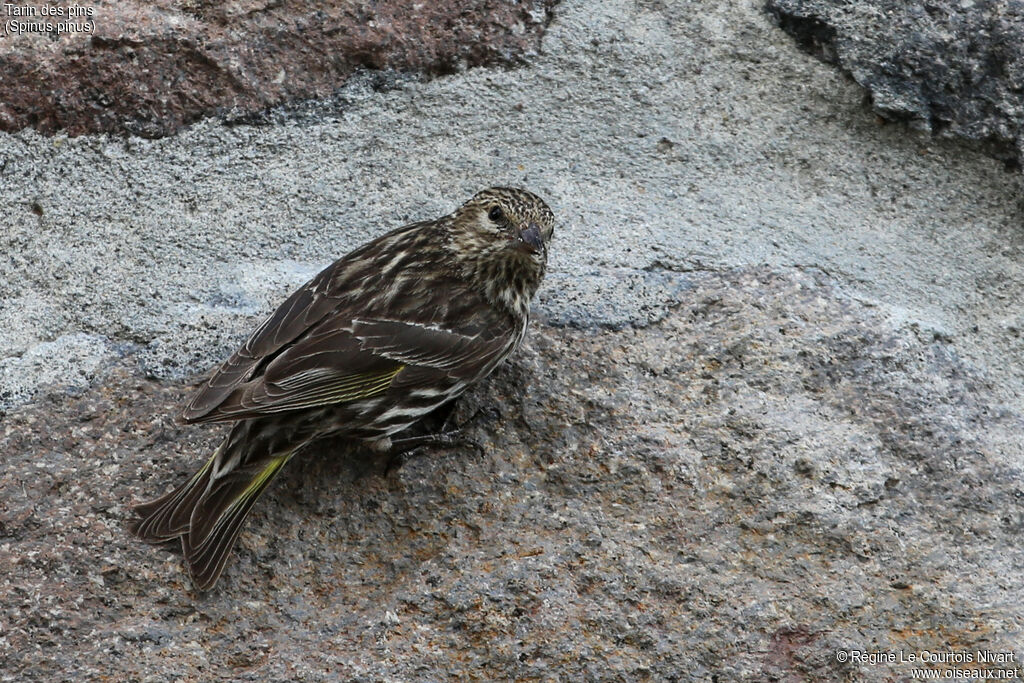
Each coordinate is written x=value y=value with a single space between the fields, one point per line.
x=530 y=238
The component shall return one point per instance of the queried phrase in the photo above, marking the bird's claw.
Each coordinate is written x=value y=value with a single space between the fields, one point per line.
x=402 y=449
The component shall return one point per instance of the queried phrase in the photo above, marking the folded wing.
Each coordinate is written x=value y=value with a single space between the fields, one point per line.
x=345 y=359
x=303 y=309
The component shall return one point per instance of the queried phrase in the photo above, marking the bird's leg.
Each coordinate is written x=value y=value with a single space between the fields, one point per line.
x=410 y=446
x=412 y=443
x=441 y=432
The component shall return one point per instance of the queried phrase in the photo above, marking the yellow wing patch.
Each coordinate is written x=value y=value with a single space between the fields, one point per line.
x=320 y=388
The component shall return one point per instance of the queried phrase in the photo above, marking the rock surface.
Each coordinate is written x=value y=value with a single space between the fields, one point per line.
x=149 y=68
x=951 y=67
x=768 y=415
x=769 y=475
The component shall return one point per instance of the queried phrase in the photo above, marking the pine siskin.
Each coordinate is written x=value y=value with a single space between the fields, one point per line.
x=373 y=343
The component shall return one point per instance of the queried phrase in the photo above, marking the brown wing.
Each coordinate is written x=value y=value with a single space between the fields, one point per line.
x=299 y=313
x=341 y=361
x=329 y=342
x=458 y=354
x=304 y=308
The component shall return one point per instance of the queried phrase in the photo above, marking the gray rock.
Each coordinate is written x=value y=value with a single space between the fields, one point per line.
x=769 y=475
x=768 y=412
x=71 y=362
x=611 y=298
x=952 y=67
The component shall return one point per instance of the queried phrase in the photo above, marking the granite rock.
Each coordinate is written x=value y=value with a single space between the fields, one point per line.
x=952 y=67
x=769 y=475
x=767 y=416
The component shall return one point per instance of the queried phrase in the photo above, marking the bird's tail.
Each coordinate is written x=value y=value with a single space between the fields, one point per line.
x=208 y=510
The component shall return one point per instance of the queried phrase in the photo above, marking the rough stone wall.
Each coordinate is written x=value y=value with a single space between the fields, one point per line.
x=950 y=67
x=768 y=415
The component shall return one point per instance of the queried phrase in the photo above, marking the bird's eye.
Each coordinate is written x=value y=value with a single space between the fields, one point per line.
x=496 y=214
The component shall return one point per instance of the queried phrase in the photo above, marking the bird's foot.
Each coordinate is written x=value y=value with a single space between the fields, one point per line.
x=443 y=432
x=411 y=446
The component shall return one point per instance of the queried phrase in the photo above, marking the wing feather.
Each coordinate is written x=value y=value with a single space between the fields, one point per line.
x=427 y=345
x=303 y=309
x=329 y=344
x=258 y=398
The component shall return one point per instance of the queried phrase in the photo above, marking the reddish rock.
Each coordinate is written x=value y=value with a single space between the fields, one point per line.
x=150 y=68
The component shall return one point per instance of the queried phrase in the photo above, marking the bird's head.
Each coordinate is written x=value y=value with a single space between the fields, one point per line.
x=501 y=238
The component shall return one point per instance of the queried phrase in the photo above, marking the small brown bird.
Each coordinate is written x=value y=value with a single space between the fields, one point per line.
x=377 y=340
